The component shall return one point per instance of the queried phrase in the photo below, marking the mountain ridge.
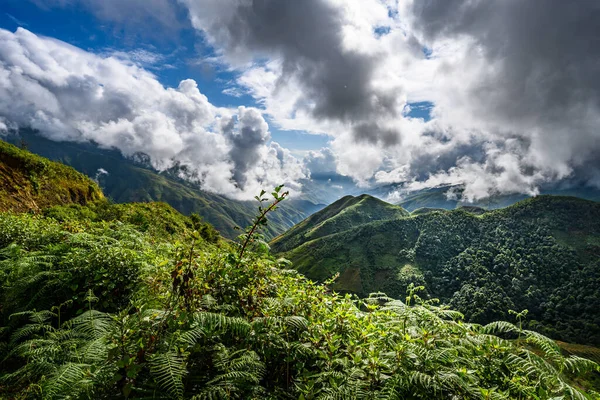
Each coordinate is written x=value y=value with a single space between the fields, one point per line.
x=437 y=197
x=344 y=213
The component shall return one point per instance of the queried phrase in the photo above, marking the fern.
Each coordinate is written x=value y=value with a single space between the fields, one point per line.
x=66 y=381
x=169 y=370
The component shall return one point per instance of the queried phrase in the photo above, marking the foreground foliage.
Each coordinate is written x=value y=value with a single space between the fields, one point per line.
x=119 y=311
x=541 y=254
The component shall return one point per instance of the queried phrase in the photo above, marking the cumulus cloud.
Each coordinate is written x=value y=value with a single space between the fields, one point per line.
x=500 y=171
x=311 y=41
x=72 y=95
x=521 y=70
x=247 y=139
x=322 y=162
x=498 y=73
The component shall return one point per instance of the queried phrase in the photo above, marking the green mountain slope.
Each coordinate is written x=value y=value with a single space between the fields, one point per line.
x=32 y=183
x=137 y=301
x=106 y=311
x=541 y=254
x=342 y=215
x=127 y=181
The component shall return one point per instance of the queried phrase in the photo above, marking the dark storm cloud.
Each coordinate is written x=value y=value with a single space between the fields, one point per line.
x=541 y=76
x=306 y=36
x=247 y=137
x=547 y=51
x=373 y=133
x=424 y=164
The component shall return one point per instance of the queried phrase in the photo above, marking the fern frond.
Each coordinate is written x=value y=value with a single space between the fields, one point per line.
x=499 y=327
x=296 y=322
x=28 y=331
x=216 y=322
x=66 y=380
x=579 y=365
x=547 y=345
x=169 y=369
x=92 y=323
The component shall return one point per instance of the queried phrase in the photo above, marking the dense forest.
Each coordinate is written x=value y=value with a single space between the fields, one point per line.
x=104 y=301
x=540 y=255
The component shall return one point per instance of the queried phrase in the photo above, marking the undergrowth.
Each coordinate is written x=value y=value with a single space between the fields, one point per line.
x=107 y=309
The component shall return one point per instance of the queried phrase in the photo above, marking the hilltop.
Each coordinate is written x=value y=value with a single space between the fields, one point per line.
x=31 y=183
x=541 y=254
x=346 y=213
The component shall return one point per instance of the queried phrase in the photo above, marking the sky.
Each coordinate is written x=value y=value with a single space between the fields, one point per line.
x=497 y=96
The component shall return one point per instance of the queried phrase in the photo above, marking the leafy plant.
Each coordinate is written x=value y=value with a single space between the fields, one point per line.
x=189 y=318
x=261 y=219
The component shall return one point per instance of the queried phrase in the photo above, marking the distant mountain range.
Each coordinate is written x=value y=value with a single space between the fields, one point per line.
x=128 y=180
x=328 y=188
x=439 y=197
x=540 y=254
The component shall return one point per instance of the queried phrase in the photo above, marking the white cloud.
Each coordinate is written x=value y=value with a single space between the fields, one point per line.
x=70 y=94
x=479 y=114
x=510 y=111
x=323 y=161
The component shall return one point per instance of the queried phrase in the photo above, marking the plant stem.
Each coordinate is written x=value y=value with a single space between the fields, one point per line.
x=257 y=224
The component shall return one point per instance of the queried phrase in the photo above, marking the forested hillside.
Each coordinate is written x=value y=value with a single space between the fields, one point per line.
x=125 y=181
x=103 y=301
x=32 y=183
x=344 y=214
x=542 y=254
x=98 y=308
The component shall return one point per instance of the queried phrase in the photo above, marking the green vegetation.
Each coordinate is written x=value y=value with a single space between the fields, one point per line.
x=97 y=308
x=31 y=183
x=127 y=181
x=159 y=219
x=105 y=301
x=346 y=213
x=541 y=254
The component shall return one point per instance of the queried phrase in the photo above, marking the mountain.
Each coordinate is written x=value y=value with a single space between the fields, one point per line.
x=106 y=300
x=448 y=197
x=541 y=254
x=106 y=310
x=32 y=183
x=124 y=180
x=344 y=214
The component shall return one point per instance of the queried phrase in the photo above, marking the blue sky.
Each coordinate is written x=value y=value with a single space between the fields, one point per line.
x=76 y=26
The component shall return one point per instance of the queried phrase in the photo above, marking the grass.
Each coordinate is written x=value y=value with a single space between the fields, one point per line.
x=29 y=183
